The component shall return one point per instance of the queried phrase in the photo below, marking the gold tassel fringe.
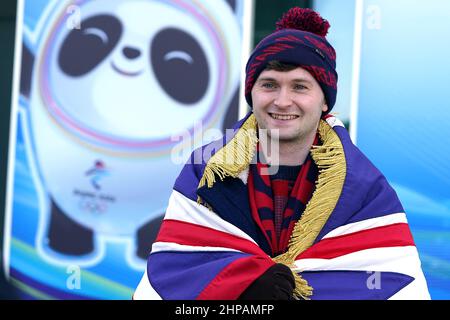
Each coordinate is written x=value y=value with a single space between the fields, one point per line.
x=234 y=157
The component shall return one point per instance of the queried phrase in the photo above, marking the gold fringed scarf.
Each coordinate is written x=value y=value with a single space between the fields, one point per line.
x=235 y=157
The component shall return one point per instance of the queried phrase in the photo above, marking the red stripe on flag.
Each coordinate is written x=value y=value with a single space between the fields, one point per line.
x=232 y=281
x=394 y=235
x=190 y=234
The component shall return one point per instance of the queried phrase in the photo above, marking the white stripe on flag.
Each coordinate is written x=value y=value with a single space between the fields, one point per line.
x=184 y=209
x=333 y=121
x=391 y=259
x=367 y=224
x=403 y=260
x=145 y=291
x=171 y=246
x=416 y=290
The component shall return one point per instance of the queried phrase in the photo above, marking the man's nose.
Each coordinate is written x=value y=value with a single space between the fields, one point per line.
x=283 y=98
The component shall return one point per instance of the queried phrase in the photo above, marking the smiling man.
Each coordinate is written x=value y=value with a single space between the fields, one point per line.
x=288 y=100
x=324 y=225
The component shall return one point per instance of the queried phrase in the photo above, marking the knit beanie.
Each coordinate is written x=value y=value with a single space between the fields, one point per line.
x=299 y=39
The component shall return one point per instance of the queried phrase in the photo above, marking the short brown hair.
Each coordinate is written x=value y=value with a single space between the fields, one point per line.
x=280 y=66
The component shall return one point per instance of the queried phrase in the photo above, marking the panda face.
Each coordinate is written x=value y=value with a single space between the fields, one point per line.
x=132 y=75
x=182 y=55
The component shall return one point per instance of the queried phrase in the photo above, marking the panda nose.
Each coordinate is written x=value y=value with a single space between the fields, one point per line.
x=131 y=53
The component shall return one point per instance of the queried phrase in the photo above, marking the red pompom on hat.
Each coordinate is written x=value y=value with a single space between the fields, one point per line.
x=305 y=20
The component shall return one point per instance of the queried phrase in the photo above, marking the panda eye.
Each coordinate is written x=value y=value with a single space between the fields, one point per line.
x=98 y=33
x=84 y=49
x=182 y=55
x=180 y=65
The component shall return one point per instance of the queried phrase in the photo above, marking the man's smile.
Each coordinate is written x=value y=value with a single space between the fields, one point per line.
x=283 y=117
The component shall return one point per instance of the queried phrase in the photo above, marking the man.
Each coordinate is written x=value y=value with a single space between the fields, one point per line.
x=320 y=223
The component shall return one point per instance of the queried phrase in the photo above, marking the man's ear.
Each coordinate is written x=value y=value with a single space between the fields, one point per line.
x=325 y=107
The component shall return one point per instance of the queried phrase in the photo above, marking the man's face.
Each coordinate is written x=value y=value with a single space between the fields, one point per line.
x=291 y=101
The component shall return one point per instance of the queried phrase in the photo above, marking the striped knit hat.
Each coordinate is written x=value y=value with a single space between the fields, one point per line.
x=299 y=39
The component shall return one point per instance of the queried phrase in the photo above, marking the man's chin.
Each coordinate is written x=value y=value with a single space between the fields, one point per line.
x=283 y=136
x=289 y=138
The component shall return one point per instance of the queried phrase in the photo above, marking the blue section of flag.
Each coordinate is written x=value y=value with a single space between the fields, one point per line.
x=355 y=285
x=169 y=271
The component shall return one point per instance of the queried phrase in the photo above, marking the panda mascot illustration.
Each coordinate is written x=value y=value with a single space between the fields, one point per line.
x=106 y=99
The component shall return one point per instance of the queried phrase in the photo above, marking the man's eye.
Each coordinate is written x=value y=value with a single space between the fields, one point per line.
x=299 y=87
x=268 y=85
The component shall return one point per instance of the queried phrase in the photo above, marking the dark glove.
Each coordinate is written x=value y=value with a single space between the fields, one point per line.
x=277 y=283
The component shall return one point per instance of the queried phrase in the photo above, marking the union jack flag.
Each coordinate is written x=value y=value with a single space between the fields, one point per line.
x=364 y=250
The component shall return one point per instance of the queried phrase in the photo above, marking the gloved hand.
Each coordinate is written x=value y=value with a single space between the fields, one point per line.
x=277 y=283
